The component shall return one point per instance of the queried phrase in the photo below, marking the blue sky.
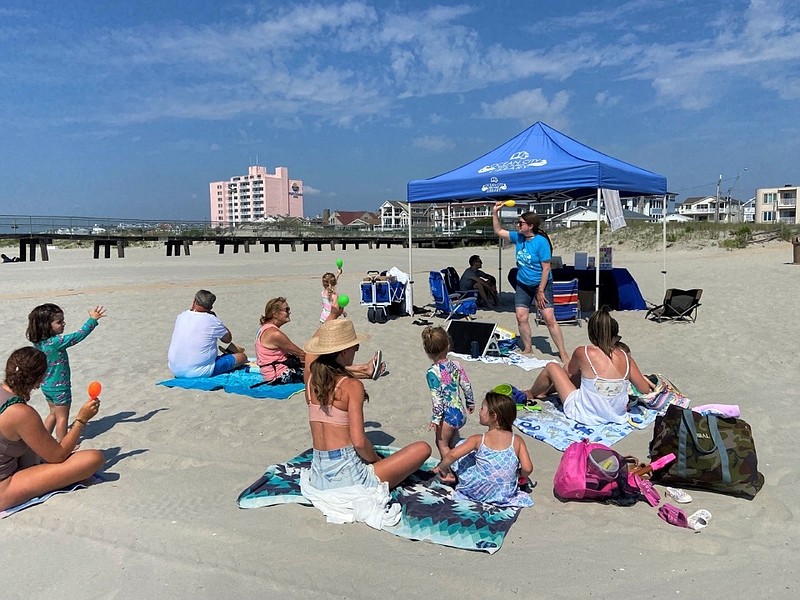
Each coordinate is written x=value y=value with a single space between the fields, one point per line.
x=129 y=109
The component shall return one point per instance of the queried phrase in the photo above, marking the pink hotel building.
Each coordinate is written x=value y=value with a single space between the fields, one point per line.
x=255 y=196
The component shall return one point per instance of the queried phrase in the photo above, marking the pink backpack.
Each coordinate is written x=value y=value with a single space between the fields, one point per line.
x=590 y=471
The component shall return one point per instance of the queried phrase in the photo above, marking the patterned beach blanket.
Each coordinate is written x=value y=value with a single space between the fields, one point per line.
x=428 y=511
x=96 y=478
x=237 y=382
x=552 y=426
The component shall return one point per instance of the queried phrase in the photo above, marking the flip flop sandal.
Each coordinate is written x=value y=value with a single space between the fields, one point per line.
x=377 y=361
x=646 y=489
x=699 y=520
x=678 y=495
x=673 y=515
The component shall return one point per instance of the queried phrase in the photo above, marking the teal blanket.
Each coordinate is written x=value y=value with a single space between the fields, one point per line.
x=240 y=382
x=428 y=511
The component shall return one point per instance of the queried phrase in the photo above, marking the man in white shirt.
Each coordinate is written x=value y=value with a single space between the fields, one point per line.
x=193 y=349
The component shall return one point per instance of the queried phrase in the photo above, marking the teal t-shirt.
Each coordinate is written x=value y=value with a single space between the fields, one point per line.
x=531 y=253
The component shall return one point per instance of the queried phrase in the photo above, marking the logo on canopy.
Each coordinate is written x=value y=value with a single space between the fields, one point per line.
x=518 y=160
x=494 y=185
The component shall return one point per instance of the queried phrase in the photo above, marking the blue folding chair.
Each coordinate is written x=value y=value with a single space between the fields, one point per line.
x=565 y=303
x=450 y=305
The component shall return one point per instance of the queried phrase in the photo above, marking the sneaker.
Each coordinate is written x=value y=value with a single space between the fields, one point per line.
x=678 y=495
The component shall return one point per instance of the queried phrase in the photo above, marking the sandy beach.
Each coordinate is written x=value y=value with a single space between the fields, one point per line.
x=167 y=525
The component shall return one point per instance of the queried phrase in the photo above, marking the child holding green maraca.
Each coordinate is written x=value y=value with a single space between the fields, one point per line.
x=332 y=308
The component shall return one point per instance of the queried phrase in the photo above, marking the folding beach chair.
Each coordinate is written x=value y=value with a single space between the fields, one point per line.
x=565 y=303
x=678 y=305
x=452 y=280
x=450 y=305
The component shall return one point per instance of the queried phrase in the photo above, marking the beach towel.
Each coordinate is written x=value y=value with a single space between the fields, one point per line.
x=427 y=510
x=96 y=478
x=529 y=363
x=552 y=426
x=237 y=382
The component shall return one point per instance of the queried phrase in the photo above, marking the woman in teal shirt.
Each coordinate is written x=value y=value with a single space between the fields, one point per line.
x=533 y=252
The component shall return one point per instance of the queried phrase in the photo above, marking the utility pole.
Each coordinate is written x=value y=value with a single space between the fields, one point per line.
x=716 y=205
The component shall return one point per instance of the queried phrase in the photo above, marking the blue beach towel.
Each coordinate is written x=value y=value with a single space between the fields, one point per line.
x=552 y=426
x=96 y=478
x=237 y=382
x=428 y=511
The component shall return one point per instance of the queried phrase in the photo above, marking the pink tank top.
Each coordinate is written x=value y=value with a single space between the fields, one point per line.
x=328 y=414
x=270 y=361
x=326 y=307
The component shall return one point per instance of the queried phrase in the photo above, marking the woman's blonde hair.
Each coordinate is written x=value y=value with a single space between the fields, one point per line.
x=603 y=330
x=272 y=308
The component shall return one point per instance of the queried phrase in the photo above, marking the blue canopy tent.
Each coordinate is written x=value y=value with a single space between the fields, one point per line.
x=539 y=164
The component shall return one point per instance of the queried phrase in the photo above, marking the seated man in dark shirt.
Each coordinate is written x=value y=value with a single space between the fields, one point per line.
x=475 y=279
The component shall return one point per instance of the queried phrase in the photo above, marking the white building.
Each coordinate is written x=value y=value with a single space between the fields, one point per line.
x=255 y=196
x=455 y=216
x=776 y=205
x=704 y=208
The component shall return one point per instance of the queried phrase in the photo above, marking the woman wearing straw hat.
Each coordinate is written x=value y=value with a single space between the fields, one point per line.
x=343 y=456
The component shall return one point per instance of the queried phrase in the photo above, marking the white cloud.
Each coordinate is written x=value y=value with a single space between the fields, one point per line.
x=434 y=143
x=529 y=106
x=606 y=99
x=311 y=191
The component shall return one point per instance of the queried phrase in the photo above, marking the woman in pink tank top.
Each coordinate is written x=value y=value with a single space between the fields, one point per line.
x=282 y=361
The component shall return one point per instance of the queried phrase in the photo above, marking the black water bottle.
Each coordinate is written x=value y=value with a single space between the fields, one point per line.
x=475 y=349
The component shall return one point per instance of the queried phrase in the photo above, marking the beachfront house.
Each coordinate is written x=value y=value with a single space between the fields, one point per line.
x=777 y=205
x=704 y=208
x=749 y=210
x=393 y=214
x=353 y=219
x=580 y=215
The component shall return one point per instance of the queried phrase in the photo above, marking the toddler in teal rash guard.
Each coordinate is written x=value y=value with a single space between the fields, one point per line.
x=46 y=331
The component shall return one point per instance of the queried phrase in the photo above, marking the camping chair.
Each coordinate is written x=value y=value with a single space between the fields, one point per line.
x=679 y=305
x=450 y=305
x=565 y=303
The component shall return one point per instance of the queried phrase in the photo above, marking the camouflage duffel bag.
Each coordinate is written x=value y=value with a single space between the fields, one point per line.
x=711 y=453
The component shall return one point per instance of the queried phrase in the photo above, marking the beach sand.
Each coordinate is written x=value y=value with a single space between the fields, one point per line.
x=167 y=525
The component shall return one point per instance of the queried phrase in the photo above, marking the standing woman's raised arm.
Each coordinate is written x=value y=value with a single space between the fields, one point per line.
x=503 y=233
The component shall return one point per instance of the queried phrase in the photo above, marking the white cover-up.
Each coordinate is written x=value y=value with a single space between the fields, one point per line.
x=354 y=503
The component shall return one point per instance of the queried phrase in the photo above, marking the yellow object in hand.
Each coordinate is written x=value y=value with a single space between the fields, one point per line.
x=509 y=203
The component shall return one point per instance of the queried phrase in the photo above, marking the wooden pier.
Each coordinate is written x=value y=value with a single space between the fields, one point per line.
x=178 y=245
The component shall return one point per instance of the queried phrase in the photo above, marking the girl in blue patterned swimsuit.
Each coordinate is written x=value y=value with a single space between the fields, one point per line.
x=447 y=381
x=46 y=331
x=490 y=465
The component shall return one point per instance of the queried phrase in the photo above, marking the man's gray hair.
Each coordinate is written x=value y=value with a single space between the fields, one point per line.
x=205 y=299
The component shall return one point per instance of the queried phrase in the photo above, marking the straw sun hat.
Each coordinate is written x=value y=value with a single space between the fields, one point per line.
x=334 y=336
